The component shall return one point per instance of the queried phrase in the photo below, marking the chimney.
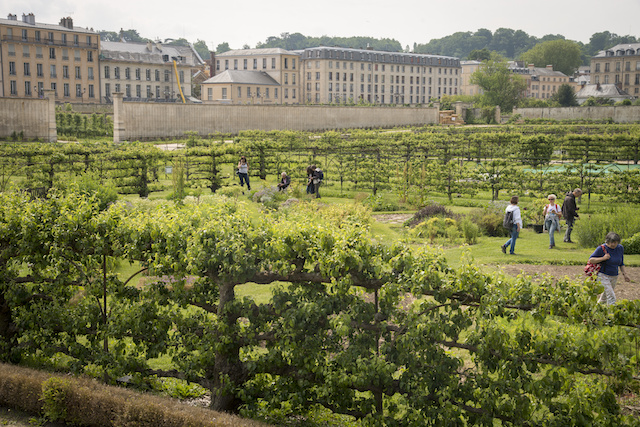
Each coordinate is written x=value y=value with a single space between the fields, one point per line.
x=12 y=17
x=67 y=23
x=27 y=19
x=550 y=67
x=149 y=46
x=212 y=61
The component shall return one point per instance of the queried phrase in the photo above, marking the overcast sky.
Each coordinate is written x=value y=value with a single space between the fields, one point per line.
x=241 y=22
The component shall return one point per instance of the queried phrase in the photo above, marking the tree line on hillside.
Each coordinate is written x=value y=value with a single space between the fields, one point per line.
x=509 y=43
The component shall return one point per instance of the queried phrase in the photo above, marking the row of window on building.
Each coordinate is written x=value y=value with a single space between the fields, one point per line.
x=253 y=94
x=38 y=38
x=53 y=73
x=38 y=89
x=618 y=66
x=255 y=61
x=150 y=92
x=138 y=74
x=53 y=52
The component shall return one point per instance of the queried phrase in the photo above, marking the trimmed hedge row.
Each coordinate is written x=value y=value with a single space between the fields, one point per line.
x=86 y=402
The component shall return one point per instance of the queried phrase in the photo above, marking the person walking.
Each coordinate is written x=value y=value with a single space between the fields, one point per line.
x=243 y=172
x=552 y=215
x=610 y=256
x=515 y=228
x=570 y=212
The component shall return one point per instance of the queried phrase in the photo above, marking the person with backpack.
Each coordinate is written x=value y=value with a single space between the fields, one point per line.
x=610 y=256
x=318 y=176
x=570 y=211
x=552 y=214
x=513 y=218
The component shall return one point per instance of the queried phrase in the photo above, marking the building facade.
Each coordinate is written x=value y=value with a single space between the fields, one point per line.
x=324 y=75
x=36 y=56
x=467 y=69
x=620 y=66
x=249 y=76
x=542 y=83
x=146 y=71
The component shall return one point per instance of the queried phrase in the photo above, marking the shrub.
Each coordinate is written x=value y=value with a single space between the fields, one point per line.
x=632 y=244
x=489 y=219
x=54 y=394
x=590 y=230
x=470 y=231
x=81 y=401
x=377 y=204
x=429 y=211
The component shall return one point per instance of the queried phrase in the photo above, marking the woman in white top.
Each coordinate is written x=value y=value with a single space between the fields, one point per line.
x=517 y=225
x=552 y=214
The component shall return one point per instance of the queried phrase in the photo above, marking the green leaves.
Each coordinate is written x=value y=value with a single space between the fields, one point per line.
x=379 y=333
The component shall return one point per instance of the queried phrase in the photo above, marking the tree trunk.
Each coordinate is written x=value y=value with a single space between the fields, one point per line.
x=227 y=371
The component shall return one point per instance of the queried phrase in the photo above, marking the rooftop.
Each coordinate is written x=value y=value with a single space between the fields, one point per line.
x=243 y=77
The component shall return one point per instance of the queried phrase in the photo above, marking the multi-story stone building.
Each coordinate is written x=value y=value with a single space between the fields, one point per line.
x=467 y=69
x=248 y=76
x=542 y=83
x=146 y=71
x=619 y=65
x=36 y=56
x=325 y=75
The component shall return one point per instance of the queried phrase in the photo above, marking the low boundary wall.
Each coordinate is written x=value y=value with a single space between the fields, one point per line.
x=619 y=114
x=140 y=121
x=34 y=118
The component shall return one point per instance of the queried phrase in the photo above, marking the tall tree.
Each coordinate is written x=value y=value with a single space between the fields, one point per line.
x=203 y=50
x=480 y=54
x=501 y=87
x=564 y=55
x=566 y=96
x=223 y=47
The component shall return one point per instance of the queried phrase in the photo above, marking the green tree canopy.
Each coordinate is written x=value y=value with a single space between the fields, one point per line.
x=564 y=55
x=223 y=47
x=203 y=50
x=566 y=96
x=480 y=54
x=299 y=41
x=501 y=87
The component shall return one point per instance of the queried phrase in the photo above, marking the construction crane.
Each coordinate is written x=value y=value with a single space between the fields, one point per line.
x=175 y=69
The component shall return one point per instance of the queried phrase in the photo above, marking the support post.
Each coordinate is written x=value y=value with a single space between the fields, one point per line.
x=52 y=129
x=118 y=118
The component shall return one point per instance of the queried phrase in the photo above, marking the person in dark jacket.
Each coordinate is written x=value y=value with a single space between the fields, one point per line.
x=318 y=176
x=310 y=170
x=284 y=181
x=570 y=211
